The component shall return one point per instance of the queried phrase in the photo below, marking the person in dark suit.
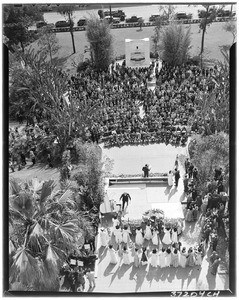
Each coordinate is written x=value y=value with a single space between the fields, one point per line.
x=146 y=170
x=176 y=177
x=125 y=197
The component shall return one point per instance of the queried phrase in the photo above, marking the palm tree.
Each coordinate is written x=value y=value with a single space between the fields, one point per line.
x=44 y=226
x=67 y=10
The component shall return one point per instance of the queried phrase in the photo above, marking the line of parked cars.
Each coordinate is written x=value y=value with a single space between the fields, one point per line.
x=118 y=16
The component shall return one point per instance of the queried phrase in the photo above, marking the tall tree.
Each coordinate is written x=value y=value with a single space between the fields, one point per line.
x=159 y=22
x=16 y=22
x=214 y=104
x=176 y=44
x=207 y=15
x=167 y=11
x=48 y=41
x=47 y=94
x=100 y=39
x=68 y=10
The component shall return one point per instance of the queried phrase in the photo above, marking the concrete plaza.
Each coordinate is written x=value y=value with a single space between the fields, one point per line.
x=127 y=278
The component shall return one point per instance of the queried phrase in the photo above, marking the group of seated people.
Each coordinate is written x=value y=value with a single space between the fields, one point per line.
x=169 y=112
x=129 y=112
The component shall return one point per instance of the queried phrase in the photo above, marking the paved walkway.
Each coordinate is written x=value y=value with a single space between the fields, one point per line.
x=129 y=279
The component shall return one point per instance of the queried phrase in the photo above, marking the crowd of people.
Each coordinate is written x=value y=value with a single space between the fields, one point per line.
x=129 y=112
x=122 y=92
x=24 y=145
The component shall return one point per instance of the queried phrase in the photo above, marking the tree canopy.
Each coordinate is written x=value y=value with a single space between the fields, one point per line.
x=45 y=226
x=207 y=153
x=176 y=44
x=100 y=39
x=17 y=21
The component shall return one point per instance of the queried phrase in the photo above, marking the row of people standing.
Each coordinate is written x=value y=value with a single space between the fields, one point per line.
x=175 y=255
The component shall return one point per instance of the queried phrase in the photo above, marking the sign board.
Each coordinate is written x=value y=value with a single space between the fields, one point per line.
x=87 y=246
x=73 y=261
x=137 y=53
x=80 y=263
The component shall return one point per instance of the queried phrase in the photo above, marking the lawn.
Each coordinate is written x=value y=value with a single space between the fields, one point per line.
x=216 y=36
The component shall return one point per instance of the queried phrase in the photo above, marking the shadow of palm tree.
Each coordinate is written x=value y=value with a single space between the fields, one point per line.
x=140 y=277
x=123 y=269
x=108 y=270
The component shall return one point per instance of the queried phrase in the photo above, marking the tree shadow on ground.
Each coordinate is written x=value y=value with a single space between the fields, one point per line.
x=108 y=270
x=123 y=269
x=140 y=277
x=172 y=192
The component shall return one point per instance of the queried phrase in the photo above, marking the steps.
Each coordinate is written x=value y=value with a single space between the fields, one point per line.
x=129 y=180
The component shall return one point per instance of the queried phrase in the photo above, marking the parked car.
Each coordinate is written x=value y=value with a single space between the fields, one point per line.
x=81 y=22
x=183 y=16
x=41 y=24
x=152 y=18
x=224 y=13
x=116 y=14
x=112 y=20
x=133 y=19
x=63 y=23
x=119 y=14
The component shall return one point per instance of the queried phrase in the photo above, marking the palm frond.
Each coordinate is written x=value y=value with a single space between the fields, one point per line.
x=47 y=188
x=24 y=268
x=35 y=185
x=12 y=248
x=15 y=187
x=51 y=255
x=66 y=231
x=66 y=198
